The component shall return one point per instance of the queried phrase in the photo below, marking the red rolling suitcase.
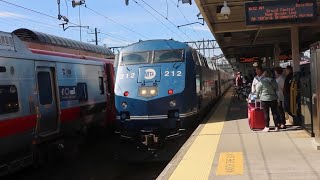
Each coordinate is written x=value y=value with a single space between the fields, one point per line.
x=256 y=115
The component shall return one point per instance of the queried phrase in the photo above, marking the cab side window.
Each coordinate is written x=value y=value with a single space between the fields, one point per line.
x=101 y=85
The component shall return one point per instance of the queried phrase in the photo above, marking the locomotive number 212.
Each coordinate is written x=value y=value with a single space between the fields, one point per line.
x=172 y=73
x=132 y=75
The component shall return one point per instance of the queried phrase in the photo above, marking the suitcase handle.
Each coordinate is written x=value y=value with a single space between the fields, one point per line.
x=256 y=104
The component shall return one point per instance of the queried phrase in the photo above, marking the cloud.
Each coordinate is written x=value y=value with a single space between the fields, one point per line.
x=11 y=15
x=201 y=28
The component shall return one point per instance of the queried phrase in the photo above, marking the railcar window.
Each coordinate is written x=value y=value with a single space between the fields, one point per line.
x=101 y=85
x=8 y=99
x=135 y=58
x=168 y=56
x=82 y=92
x=45 y=90
x=2 y=69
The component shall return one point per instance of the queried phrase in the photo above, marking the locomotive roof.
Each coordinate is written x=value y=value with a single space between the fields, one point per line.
x=39 y=37
x=157 y=44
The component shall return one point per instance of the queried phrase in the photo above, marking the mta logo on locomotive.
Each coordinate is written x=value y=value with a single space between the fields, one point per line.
x=150 y=74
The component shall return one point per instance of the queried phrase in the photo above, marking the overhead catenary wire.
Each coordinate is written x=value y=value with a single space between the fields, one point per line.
x=28 y=9
x=86 y=6
x=158 y=19
x=116 y=22
x=165 y=18
x=32 y=22
x=118 y=41
x=186 y=19
x=47 y=15
x=67 y=8
x=54 y=28
x=107 y=34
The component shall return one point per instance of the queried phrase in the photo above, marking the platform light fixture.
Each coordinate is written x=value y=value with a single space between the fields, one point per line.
x=225 y=10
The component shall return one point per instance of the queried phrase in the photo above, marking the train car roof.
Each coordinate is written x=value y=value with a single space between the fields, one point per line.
x=16 y=49
x=157 y=44
x=43 y=38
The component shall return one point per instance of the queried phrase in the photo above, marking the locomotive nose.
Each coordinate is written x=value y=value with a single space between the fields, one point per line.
x=149 y=74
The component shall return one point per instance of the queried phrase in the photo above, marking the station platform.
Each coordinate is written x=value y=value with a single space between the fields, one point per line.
x=224 y=147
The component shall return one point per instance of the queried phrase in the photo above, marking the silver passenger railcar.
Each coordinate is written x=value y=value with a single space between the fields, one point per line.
x=45 y=95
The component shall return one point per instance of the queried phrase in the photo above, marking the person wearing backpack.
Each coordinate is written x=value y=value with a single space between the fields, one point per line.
x=266 y=92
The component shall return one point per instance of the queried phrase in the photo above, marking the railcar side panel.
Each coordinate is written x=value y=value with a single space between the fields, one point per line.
x=45 y=95
x=17 y=113
x=82 y=94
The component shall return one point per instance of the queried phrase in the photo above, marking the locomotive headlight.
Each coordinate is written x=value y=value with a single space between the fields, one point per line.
x=153 y=92
x=143 y=92
x=148 y=91
x=173 y=103
x=124 y=105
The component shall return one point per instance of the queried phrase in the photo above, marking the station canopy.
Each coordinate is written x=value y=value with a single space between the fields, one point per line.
x=251 y=29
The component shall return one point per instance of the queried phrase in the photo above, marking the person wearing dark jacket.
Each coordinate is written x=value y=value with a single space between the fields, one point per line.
x=286 y=89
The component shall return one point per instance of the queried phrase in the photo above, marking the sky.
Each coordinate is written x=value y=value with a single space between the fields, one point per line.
x=118 y=24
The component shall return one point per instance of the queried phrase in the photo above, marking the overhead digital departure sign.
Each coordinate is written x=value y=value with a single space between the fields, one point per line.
x=270 y=12
x=248 y=59
x=285 y=57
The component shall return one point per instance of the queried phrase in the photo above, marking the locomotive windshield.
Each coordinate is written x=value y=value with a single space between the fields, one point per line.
x=168 y=56
x=135 y=58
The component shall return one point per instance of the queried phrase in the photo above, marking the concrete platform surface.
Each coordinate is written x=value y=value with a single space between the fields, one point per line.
x=224 y=147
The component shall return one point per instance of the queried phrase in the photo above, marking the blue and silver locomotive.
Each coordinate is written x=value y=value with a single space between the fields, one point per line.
x=160 y=86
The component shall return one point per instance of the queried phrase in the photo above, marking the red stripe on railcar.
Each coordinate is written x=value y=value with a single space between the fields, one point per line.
x=70 y=114
x=17 y=125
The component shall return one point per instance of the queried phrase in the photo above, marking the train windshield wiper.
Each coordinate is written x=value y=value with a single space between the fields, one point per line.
x=174 y=65
x=124 y=64
x=179 y=65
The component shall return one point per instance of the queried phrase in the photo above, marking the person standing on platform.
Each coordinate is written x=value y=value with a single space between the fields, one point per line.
x=280 y=78
x=239 y=80
x=286 y=89
x=266 y=92
x=256 y=79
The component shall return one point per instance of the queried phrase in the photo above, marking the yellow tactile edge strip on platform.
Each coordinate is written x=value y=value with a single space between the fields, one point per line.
x=196 y=163
x=230 y=163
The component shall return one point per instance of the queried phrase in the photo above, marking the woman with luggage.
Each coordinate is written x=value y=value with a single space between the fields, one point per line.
x=266 y=92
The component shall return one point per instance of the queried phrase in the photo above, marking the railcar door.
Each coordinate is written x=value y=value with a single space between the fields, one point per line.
x=47 y=101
